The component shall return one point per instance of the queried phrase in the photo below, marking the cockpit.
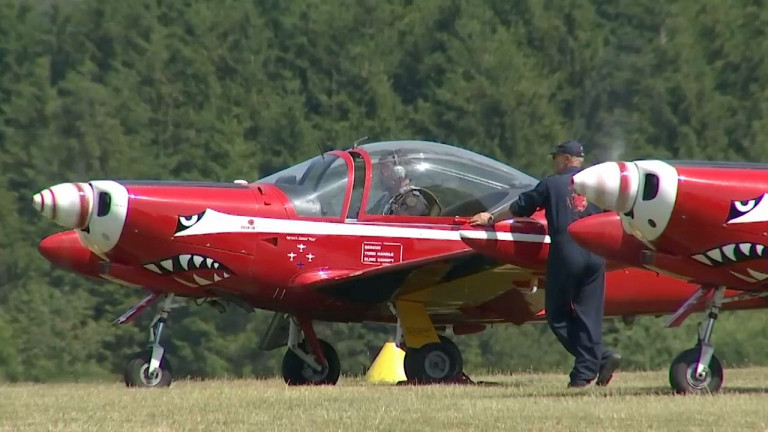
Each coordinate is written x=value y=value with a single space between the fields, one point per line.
x=363 y=182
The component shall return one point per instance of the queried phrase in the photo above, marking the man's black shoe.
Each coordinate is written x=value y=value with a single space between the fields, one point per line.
x=578 y=384
x=607 y=369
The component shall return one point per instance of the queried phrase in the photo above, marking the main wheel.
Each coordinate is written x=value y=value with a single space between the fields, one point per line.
x=682 y=374
x=136 y=372
x=296 y=372
x=434 y=362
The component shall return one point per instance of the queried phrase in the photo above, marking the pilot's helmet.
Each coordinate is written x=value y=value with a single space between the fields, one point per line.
x=393 y=162
x=393 y=166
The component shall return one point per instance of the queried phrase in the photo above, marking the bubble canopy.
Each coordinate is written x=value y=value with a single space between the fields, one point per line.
x=462 y=183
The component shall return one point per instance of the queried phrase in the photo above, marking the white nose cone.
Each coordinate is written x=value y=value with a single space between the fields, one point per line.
x=37 y=202
x=67 y=204
x=609 y=185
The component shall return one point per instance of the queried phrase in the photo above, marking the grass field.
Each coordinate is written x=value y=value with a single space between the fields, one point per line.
x=633 y=401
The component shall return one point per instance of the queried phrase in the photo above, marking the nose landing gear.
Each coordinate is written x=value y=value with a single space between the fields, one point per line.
x=150 y=368
x=698 y=370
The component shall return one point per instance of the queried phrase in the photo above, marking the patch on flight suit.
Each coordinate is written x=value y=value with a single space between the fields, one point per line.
x=577 y=201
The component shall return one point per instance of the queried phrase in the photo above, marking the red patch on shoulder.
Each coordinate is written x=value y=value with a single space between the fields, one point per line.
x=579 y=202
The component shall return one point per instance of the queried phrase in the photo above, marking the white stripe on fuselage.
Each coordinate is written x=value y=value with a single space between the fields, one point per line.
x=214 y=222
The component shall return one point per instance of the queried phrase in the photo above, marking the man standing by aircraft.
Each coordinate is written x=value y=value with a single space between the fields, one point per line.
x=575 y=277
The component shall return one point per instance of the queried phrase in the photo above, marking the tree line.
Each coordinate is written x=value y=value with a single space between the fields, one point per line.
x=219 y=90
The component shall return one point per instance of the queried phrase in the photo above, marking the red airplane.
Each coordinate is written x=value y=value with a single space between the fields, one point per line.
x=702 y=222
x=317 y=241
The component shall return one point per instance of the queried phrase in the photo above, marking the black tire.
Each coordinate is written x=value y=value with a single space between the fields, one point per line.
x=296 y=372
x=135 y=372
x=434 y=363
x=683 y=369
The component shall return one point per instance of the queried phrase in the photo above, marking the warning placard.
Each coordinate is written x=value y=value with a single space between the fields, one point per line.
x=381 y=253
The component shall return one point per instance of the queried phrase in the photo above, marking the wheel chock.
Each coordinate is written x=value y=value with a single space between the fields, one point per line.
x=388 y=366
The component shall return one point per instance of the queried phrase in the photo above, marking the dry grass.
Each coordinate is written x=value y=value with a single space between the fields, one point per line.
x=634 y=401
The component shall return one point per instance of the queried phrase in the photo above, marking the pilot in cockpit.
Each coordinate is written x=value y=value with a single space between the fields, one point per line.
x=401 y=196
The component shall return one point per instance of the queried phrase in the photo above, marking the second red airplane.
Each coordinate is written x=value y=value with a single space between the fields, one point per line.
x=701 y=222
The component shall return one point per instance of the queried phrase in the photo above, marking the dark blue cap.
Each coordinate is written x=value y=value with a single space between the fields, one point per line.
x=573 y=148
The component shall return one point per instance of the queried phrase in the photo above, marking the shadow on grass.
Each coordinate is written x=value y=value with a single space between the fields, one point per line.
x=744 y=390
x=618 y=391
x=526 y=389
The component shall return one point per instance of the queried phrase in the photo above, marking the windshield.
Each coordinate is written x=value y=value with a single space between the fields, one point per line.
x=316 y=187
x=461 y=182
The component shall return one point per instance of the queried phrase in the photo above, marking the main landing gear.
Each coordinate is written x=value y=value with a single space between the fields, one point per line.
x=429 y=358
x=150 y=368
x=434 y=363
x=308 y=360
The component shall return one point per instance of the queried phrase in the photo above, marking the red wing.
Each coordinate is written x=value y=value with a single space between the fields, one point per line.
x=326 y=277
x=445 y=284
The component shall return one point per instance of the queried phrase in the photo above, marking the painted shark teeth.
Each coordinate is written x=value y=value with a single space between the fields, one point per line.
x=200 y=281
x=183 y=282
x=754 y=276
x=183 y=263
x=176 y=265
x=152 y=267
x=167 y=264
x=742 y=277
x=757 y=275
x=731 y=253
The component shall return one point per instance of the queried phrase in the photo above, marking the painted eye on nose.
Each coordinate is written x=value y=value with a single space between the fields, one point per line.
x=188 y=221
x=185 y=222
x=744 y=206
x=746 y=211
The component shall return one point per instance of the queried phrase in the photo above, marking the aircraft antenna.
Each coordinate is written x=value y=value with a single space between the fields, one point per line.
x=322 y=153
x=358 y=141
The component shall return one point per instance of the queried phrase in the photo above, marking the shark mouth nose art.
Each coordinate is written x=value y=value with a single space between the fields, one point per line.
x=192 y=270
x=734 y=253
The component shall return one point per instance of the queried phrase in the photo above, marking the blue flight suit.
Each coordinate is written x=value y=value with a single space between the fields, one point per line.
x=575 y=286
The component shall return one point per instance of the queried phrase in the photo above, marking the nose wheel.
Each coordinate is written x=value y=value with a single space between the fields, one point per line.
x=138 y=373
x=686 y=377
x=150 y=367
x=698 y=370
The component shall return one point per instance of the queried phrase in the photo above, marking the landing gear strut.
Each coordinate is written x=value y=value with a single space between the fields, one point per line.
x=698 y=370
x=150 y=368
x=432 y=362
x=309 y=360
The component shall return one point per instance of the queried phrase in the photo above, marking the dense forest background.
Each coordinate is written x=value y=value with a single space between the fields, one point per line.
x=221 y=90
